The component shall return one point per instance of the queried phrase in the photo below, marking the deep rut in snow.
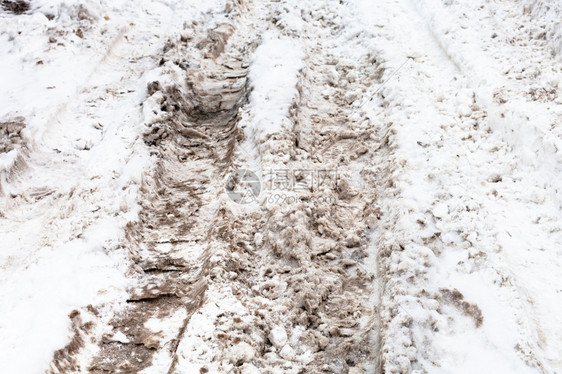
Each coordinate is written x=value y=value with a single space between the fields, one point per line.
x=193 y=140
x=291 y=280
x=192 y=132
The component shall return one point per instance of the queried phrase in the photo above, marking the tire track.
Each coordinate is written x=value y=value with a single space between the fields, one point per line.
x=290 y=290
x=192 y=133
x=71 y=199
x=168 y=246
x=438 y=252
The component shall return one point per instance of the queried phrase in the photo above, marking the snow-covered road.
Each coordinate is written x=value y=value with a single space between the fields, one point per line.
x=408 y=153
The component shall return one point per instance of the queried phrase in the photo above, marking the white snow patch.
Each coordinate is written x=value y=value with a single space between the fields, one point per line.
x=273 y=76
x=278 y=336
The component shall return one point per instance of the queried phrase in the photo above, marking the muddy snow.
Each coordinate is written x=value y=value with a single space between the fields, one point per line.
x=280 y=186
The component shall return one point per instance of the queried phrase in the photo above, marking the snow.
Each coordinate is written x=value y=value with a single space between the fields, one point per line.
x=44 y=285
x=288 y=353
x=442 y=116
x=62 y=221
x=273 y=76
x=120 y=337
x=485 y=250
x=241 y=352
x=278 y=336
x=163 y=329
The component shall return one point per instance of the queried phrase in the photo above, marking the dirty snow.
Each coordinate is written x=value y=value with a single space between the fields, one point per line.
x=439 y=250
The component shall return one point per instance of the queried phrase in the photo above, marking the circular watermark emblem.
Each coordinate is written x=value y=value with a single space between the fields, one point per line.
x=243 y=186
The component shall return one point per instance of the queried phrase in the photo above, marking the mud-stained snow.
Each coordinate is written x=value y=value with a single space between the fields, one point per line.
x=280 y=186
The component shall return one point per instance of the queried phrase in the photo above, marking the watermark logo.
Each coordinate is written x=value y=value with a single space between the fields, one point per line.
x=243 y=186
x=301 y=179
